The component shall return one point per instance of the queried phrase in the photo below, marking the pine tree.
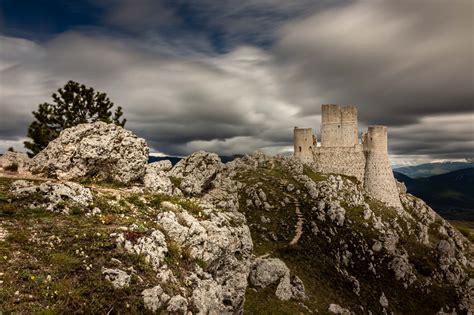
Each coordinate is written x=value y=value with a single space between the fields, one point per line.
x=73 y=104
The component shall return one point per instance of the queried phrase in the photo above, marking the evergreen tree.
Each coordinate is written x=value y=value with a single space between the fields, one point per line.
x=73 y=104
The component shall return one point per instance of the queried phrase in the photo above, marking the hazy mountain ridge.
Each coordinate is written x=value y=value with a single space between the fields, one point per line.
x=450 y=194
x=432 y=169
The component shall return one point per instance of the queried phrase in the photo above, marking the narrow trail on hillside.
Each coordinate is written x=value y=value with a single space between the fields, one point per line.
x=299 y=223
x=299 y=215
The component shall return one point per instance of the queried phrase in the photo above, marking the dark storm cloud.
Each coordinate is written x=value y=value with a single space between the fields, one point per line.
x=406 y=64
x=396 y=60
x=226 y=23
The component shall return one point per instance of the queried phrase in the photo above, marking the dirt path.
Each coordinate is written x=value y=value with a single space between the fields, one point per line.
x=299 y=223
x=299 y=215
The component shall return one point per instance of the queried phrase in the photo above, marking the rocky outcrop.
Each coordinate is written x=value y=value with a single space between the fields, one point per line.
x=57 y=197
x=217 y=246
x=15 y=162
x=196 y=172
x=157 y=177
x=267 y=271
x=97 y=149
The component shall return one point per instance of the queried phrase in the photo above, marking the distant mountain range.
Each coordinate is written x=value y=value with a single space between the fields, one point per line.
x=450 y=194
x=432 y=169
x=176 y=159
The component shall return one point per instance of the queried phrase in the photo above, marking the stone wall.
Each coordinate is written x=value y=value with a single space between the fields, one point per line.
x=341 y=153
x=304 y=142
x=378 y=179
x=346 y=161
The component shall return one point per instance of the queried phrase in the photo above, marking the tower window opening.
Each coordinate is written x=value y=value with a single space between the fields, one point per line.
x=299 y=148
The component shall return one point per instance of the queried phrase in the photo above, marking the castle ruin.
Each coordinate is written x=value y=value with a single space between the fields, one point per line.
x=340 y=151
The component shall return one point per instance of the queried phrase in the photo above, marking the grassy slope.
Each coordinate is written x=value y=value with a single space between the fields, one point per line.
x=41 y=243
x=312 y=259
x=71 y=250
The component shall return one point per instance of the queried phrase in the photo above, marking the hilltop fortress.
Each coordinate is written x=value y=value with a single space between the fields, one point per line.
x=340 y=151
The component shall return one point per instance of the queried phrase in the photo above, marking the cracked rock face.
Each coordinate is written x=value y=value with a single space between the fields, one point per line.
x=101 y=149
x=223 y=247
x=157 y=179
x=196 y=172
x=57 y=197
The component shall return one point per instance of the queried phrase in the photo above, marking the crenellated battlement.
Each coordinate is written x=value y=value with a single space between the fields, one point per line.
x=340 y=151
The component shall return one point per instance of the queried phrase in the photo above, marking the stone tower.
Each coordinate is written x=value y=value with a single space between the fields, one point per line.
x=338 y=126
x=304 y=142
x=341 y=153
x=378 y=177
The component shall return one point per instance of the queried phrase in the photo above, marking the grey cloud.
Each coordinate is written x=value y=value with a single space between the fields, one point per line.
x=177 y=103
x=395 y=60
x=414 y=76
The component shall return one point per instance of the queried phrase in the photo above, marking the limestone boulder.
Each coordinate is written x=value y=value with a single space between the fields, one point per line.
x=16 y=162
x=57 y=197
x=266 y=271
x=156 y=177
x=196 y=172
x=96 y=149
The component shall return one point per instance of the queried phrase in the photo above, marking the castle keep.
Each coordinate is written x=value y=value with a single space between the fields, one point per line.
x=340 y=151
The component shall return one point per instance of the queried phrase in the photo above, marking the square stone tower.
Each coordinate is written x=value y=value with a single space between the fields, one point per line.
x=338 y=126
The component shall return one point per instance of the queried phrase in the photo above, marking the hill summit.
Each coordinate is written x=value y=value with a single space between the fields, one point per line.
x=88 y=226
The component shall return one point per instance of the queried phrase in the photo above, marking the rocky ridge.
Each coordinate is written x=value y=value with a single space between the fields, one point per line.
x=207 y=237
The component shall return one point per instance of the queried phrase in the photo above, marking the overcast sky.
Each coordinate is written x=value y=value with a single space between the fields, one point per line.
x=235 y=76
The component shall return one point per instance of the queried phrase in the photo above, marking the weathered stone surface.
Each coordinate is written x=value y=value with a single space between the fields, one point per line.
x=154 y=298
x=337 y=309
x=196 y=172
x=106 y=150
x=58 y=197
x=266 y=271
x=177 y=304
x=15 y=162
x=156 y=177
x=3 y=234
x=153 y=247
x=383 y=300
x=119 y=278
x=218 y=243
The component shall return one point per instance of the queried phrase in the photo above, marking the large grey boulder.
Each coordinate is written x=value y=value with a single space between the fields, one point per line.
x=196 y=172
x=102 y=149
x=15 y=162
